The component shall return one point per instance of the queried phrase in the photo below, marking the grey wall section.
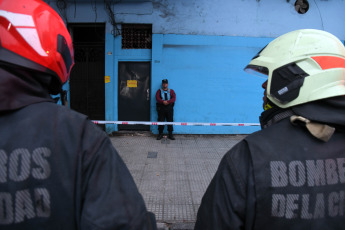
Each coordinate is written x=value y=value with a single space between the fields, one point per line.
x=202 y=46
x=269 y=18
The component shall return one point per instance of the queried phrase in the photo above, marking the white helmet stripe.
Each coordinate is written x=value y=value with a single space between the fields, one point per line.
x=18 y=19
x=28 y=30
x=31 y=37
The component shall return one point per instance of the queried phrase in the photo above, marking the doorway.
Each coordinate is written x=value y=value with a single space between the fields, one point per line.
x=87 y=91
x=134 y=80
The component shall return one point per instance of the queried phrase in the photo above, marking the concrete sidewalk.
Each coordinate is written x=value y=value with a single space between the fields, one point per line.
x=172 y=176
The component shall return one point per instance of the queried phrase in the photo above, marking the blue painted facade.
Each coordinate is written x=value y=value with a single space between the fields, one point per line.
x=202 y=46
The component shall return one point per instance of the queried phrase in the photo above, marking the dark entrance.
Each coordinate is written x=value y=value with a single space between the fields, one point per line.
x=134 y=94
x=87 y=93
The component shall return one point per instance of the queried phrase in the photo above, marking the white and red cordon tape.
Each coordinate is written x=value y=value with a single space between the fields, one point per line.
x=173 y=123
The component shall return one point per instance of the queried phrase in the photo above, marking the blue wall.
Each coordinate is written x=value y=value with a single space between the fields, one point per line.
x=207 y=75
x=202 y=46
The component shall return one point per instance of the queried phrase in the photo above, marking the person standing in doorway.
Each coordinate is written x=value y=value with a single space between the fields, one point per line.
x=165 y=107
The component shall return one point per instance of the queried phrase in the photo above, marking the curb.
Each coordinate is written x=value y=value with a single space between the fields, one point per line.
x=175 y=226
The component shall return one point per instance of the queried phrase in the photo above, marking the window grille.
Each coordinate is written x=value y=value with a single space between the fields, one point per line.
x=136 y=36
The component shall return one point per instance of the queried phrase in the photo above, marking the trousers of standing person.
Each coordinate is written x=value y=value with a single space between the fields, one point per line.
x=165 y=113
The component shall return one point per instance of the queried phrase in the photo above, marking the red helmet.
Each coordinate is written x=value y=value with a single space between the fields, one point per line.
x=33 y=36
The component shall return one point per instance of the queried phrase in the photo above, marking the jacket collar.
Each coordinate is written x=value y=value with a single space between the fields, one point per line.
x=20 y=88
x=327 y=111
x=273 y=115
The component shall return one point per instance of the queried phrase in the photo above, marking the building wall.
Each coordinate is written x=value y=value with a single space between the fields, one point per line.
x=202 y=46
x=207 y=75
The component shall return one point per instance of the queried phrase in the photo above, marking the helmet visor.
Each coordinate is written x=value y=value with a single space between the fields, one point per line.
x=65 y=52
x=260 y=71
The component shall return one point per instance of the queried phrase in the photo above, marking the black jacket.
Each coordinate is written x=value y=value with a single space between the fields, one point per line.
x=282 y=177
x=57 y=169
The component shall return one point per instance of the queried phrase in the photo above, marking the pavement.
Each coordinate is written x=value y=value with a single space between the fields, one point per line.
x=173 y=175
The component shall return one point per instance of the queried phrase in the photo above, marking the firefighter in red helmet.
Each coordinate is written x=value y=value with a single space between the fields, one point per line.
x=57 y=169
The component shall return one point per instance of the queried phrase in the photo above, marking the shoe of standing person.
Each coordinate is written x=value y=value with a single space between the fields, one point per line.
x=160 y=136
x=171 y=137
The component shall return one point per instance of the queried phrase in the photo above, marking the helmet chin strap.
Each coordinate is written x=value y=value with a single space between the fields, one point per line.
x=63 y=96
x=268 y=105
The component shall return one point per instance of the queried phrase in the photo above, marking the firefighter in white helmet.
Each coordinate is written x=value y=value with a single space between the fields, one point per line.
x=291 y=174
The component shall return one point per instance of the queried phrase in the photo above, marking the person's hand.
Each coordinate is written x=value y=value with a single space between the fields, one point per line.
x=165 y=102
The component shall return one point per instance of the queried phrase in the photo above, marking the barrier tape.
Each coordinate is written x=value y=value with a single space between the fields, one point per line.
x=174 y=123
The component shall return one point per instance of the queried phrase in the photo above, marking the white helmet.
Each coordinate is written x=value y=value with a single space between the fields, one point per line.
x=302 y=66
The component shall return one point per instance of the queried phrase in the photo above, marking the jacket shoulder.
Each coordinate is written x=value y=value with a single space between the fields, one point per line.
x=64 y=118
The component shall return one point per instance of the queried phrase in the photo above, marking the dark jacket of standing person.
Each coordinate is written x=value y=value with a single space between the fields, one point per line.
x=291 y=174
x=57 y=169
